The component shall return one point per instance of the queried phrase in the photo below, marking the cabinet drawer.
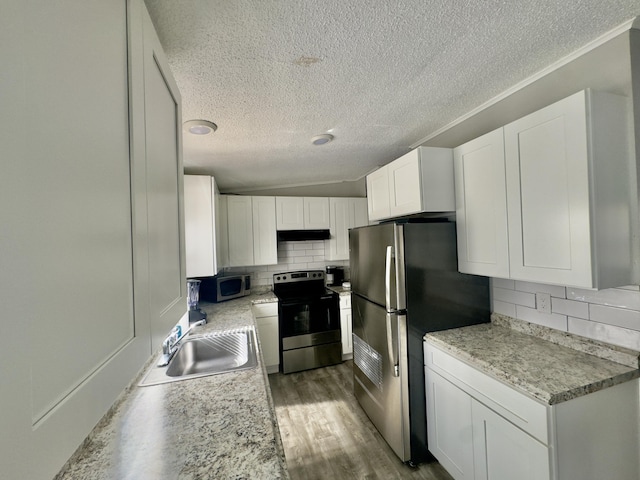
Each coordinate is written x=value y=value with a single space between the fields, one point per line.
x=345 y=301
x=521 y=410
x=265 y=309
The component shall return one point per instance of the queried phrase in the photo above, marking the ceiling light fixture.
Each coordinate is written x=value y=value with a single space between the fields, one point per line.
x=199 y=127
x=321 y=139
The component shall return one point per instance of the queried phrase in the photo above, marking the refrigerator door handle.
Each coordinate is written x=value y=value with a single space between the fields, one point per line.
x=387 y=278
x=393 y=356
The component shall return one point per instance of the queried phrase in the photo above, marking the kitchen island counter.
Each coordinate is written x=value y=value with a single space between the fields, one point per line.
x=215 y=427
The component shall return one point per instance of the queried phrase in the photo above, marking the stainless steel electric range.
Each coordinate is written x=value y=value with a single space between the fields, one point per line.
x=309 y=321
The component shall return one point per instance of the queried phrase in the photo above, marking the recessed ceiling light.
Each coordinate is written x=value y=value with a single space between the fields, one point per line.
x=199 y=127
x=321 y=139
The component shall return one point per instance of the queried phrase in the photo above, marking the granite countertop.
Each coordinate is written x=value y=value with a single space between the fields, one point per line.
x=551 y=366
x=216 y=427
x=340 y=290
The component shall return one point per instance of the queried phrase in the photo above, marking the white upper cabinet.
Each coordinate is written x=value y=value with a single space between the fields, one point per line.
x=316 y=213
x=302 y=213
x=240 y=230
x=346 y=213
x=265 y=243
x=420 y=181
x=378 y=194
x=481 y=206
x=200 y=233
x=251 y=229
x=569 y=183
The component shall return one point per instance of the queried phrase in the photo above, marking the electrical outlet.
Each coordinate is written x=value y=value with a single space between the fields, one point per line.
x=543 y=302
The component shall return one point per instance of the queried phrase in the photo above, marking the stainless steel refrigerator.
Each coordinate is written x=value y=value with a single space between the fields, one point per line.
x=405 y=283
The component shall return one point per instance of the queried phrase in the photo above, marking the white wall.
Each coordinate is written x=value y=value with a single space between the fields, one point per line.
x=611 y=315
x=292 y=256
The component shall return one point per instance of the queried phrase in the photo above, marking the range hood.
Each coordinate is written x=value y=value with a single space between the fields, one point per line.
x=302 y=235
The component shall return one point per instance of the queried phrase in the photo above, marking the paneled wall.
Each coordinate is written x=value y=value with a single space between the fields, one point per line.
x=611 y=315
x=291 y=256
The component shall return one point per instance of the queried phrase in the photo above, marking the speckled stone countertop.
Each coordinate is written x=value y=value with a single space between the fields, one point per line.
x=216 y=427
x=340 y=290
x=552 y=367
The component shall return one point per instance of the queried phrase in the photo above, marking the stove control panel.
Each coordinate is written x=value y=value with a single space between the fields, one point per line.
x=301 y=276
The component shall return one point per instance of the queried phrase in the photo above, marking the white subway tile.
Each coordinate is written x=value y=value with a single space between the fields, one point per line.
x=605 y=333
x=318 y=245
x=613 y=297
x=503 y=283
x=512 y=296
x=570 y=307
x=315 y=252
x=619 y=317
x=316 y=265
x=551 y=320
x=297 y=253
x=320 y=258
x=553 y=290
x=300 y=245
x=503 y=308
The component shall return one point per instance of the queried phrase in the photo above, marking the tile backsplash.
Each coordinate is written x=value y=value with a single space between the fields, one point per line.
x=306 y=255
x=611 y=316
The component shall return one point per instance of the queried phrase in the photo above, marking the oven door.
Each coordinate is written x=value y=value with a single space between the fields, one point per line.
x=309 y=333
x=309 y=322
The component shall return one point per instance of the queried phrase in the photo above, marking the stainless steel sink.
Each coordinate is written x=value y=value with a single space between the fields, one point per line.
x=209 y=354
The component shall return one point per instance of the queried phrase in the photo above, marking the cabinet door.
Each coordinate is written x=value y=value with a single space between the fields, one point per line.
x=346 y=213
x=240 y=230
x=267 y=329
x=222 y=230
x=548 y=195
x=199 y=226
x=316 y=213
x=265 y=242
x=378 y=194
x=481 y=206
x=360 y=209
x=449 y=426
x=346 y=326
x=504 y=452
x=290 y=213
x=405 y=194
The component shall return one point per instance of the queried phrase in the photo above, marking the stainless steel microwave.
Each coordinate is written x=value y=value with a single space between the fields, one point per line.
x=229 y=287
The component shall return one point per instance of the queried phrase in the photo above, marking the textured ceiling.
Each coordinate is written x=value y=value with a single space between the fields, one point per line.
x=378 y=75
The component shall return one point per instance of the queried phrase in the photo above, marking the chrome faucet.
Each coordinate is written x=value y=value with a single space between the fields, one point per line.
x=172 y=342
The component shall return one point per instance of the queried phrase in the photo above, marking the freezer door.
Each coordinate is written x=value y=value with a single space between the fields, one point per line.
x=380 y=371
x=377 y=266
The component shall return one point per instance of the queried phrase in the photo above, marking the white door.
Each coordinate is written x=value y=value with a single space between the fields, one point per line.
x=316 y=213
x=405 y=191
x=290 y=213
x=481 y=206
x=199 y=225
x=165 y=191
x=240 y=230
x=378 y=194
x=449 y=428
x=265 y=241
x=547 y=173
x=504 y=452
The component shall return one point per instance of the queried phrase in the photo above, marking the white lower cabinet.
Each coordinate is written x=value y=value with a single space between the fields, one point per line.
x=346 y=327
x=266 y=315
x=503 y=451
x=482 y=429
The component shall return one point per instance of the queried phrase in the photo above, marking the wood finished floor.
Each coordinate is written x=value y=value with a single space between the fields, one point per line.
x=326 y=435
